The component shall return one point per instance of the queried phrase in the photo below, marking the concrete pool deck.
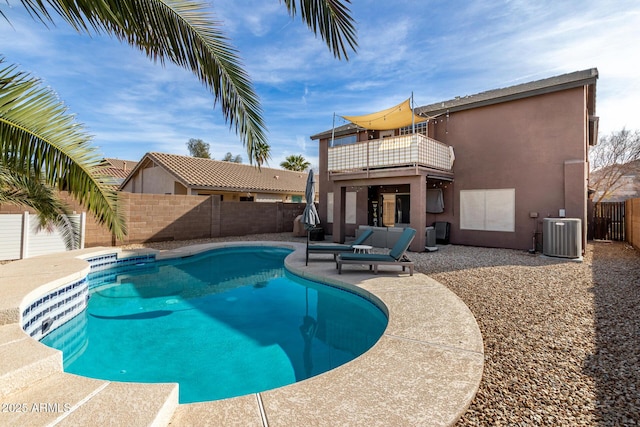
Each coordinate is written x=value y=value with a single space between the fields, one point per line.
x=424 y=370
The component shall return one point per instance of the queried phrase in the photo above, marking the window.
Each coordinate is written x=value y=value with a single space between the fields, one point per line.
x=422 y=127
x=488 y=210
x=345 y=140
x=350 y=208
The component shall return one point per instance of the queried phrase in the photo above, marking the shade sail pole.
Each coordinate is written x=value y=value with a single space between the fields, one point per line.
x=333 y=129
x=413 y=117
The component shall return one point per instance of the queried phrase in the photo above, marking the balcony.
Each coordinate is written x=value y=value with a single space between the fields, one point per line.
x=414 y=150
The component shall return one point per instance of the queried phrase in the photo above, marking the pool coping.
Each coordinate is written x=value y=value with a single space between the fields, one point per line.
x=425 y=369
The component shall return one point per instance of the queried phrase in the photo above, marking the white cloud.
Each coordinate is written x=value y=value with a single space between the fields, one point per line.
x=437 y=50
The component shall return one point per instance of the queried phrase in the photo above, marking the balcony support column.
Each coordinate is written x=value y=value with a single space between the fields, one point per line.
x=339 y=212
x=418 y=216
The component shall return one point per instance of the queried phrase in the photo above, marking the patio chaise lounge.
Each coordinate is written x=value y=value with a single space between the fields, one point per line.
x=337 y=248
x=396 y=255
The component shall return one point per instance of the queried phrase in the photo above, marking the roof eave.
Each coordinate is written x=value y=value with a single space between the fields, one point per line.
x=507 y=98
x=577 y=79
x=242 y=189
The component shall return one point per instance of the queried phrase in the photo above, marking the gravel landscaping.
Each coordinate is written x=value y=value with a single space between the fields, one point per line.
x=561 y=338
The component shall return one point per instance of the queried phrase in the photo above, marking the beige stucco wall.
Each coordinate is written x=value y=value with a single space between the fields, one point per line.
x=151 y=180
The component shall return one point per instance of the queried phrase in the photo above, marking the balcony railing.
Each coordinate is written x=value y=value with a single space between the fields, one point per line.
x=405 y=150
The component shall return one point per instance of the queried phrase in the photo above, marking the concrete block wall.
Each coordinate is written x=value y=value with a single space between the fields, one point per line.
x=238 y=219
x=241 y=218
x=159 y=217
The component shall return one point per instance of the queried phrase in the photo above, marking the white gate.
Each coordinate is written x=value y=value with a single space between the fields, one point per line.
x=21 y=238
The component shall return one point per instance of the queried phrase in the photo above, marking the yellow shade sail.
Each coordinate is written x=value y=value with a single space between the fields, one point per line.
x=392 y=118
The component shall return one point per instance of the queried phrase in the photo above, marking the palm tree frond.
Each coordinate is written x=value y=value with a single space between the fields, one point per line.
x=331 y=19
x=180 y=31
x=52 y=212
x=38 y=138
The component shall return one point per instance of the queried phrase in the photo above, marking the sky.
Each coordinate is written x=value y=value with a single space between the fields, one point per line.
x=433 y=49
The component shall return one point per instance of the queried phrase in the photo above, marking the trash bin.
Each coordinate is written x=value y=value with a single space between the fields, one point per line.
x=442 y=232
x=316 y=234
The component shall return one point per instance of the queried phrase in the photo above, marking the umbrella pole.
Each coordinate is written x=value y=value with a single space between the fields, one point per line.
x=307 y=261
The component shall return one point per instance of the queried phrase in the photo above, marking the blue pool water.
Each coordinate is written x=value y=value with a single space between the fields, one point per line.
x=225 y=323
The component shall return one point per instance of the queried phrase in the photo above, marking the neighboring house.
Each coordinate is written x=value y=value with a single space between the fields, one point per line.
x=159 y=173
x=520 y=156
x=619 y=182
x=118 y=169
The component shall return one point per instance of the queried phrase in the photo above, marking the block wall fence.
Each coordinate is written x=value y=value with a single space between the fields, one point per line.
x=160 y=217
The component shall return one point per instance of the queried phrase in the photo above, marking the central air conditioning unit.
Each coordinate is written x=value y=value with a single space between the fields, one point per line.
x=562 y=237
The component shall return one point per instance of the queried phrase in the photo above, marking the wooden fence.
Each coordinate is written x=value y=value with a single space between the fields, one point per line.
x=632 y=226
x=609 y=221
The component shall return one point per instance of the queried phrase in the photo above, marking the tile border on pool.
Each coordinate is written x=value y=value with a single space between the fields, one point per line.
x=425 y=369
x=52 y=310
x=49 y=312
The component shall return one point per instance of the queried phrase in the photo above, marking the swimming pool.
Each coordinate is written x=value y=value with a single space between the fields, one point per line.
x=224 y=323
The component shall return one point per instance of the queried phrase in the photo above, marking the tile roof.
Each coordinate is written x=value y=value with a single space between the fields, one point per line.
x=116 y=173
x=125 y=165
x=117 y=169
x=495 y=96
x=195 y=172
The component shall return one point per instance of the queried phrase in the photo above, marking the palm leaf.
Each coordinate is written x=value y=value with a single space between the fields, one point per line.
x=38 y=138
x=331 y=19
x=179 y=31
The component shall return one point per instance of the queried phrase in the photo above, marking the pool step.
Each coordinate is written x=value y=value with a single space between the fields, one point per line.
x=243 y=411
x=47 y=400
x=70 y=400
x=23 y=360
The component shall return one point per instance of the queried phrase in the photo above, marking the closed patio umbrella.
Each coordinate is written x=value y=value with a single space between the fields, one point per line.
x=310 y=216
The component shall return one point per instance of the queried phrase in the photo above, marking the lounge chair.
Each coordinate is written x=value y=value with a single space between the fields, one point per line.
x=337 y=248
x=396 y=255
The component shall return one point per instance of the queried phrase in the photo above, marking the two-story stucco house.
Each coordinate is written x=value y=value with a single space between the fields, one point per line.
x=492 y=165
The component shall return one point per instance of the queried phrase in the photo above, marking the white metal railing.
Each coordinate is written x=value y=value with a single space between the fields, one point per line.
x=393 y=151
